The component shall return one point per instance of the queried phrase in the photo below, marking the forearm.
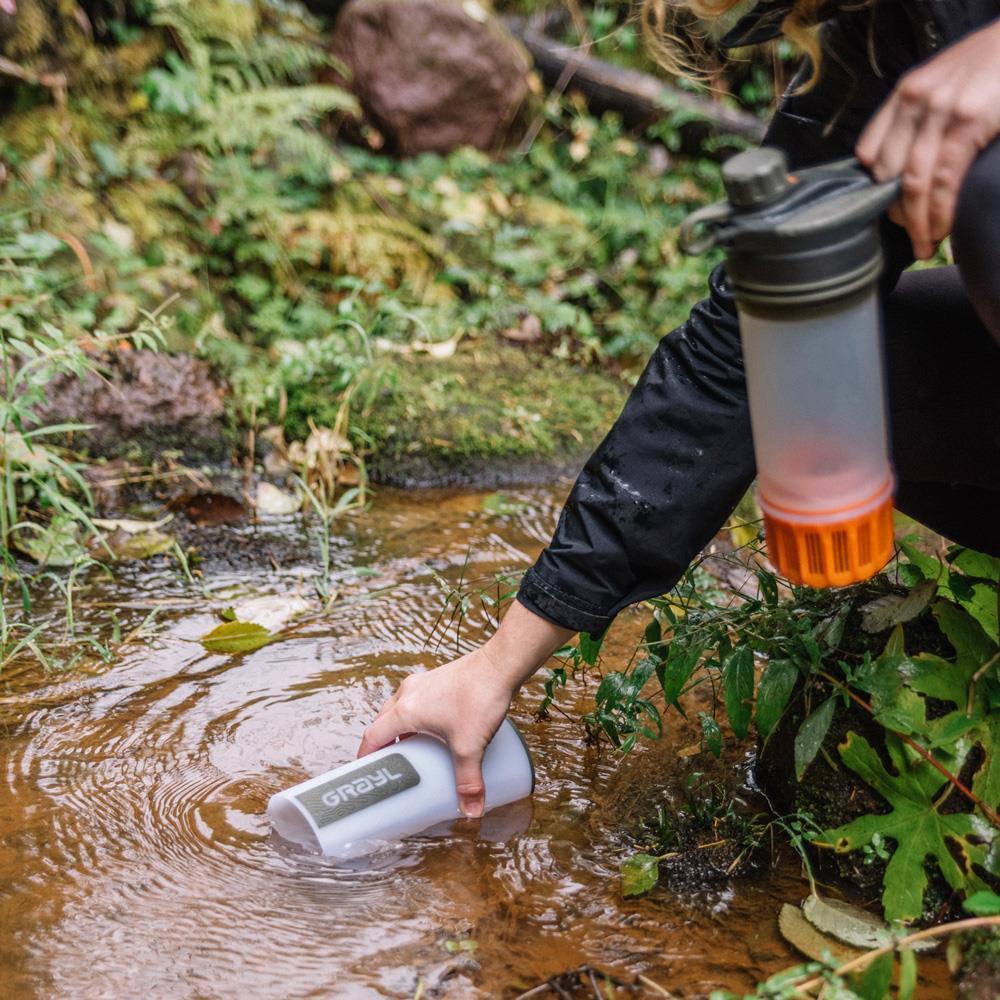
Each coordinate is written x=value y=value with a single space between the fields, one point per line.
x=522 y=643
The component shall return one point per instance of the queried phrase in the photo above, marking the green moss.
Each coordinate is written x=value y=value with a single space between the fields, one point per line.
x=470 y=416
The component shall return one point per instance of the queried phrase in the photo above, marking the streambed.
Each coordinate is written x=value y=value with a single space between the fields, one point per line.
x=136 y=860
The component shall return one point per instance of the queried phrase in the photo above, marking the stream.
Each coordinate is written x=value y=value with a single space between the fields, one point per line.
x=136 y=859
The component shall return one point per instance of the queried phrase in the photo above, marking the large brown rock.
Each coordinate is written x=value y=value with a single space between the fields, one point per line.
x=144 y=401
x=432 y=75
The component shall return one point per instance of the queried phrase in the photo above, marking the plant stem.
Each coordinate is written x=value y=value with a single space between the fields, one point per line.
x=863 y=961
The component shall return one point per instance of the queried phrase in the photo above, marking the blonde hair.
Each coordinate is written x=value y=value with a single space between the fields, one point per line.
x=688 y=56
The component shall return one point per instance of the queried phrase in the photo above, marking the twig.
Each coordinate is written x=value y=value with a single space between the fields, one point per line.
x=654 y=986
x=910 y=742
x=976 y=677
x=863 y=961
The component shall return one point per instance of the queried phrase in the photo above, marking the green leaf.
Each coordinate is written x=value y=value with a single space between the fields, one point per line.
x=956 y=842
x=983 y=904
x=590 y=648
x=236 y=637
x=811 y=734
x=676 y=671
x=639 y=874
x=711 y=733
x=776 y=685
x=57 y=544
x=877 y=978
x=737 y=685
x=500 y=504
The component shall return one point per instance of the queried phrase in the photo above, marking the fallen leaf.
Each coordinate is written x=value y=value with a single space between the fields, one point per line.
x=129 y=525
x=895 y=609
x=849 y=924
x=801 y=934
x=639 y=874
x=527 y=331
x=236 y=637
x=57 y=544
x=207 y=508
x=270 y=612
x=499 y=503
x=272 y=500
x=127 y=546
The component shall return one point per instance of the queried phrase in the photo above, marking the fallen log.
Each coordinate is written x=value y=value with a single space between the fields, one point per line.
x=639 y=98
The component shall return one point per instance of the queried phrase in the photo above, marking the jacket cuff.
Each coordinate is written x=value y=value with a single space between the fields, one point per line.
x=562 y=609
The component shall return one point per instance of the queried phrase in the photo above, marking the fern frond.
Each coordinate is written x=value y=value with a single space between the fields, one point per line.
x=260 y=117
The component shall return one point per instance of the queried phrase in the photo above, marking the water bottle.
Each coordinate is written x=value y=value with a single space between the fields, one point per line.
x=803 y=256
x=402 y=789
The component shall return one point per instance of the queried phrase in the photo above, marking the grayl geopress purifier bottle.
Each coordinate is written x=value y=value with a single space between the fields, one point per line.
x=397 y=791
x=803 y=256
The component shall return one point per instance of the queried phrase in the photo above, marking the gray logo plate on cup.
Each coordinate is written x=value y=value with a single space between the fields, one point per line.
x=366 y=785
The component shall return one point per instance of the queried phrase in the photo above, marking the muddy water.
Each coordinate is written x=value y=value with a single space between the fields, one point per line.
x=136 y=861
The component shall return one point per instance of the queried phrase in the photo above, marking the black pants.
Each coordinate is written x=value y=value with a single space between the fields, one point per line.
x=680 y=456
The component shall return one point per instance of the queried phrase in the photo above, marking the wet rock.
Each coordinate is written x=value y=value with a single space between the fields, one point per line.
x=432 y=75
x=145 y=401
x=208 y=508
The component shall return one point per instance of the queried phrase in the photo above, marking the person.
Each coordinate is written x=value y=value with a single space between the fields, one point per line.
x=912 y=88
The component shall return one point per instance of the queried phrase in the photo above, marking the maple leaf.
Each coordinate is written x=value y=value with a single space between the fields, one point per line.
x=957 y=842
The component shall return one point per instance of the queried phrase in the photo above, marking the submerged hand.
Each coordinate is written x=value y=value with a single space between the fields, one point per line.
x=937 y=120
x=463 y=702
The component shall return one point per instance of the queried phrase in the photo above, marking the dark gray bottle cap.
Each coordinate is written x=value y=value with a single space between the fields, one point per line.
x=796 y=239
x=756 y=177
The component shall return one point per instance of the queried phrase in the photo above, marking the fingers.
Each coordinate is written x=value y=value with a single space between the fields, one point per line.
x=386 y=727
x=906 y=138
x=918 y=174
x=469 y=781
x=959 y=149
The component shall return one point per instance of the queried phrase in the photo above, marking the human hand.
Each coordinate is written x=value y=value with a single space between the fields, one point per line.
x=936 y=121
x=463 y=703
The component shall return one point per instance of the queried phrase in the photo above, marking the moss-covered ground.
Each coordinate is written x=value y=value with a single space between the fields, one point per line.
x=491 y=414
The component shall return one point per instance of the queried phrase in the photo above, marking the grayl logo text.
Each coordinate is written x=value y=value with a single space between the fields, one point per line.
x=359 y=788
x=366 y=783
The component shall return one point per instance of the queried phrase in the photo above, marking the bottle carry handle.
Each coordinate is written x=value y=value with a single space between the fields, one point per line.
x=715 y=224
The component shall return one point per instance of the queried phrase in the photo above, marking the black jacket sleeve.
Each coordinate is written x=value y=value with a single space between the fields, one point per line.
x=680 y=456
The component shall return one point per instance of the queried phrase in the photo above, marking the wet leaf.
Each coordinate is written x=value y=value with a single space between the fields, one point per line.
x=776 y=685
x=271 y=612
x=849 y=924
x=456 y=945
x=128 y=546
x=498 y=503
x=272 y=500
x=895 y=609
x=984 y=903
x=236 y=637
x=129 y=525
x=639 y=874
x=57 y=544
x=207 y=508
x=801 y=934
x=737 y=683
x=811 y=734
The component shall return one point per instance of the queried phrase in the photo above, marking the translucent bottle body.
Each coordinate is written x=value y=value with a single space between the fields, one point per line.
x=817 y=407
x=397 y=791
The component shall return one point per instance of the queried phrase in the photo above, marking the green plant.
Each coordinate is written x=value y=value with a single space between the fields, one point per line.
x=936 y=765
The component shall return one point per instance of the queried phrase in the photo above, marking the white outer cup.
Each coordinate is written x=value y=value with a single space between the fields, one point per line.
x=402 y=789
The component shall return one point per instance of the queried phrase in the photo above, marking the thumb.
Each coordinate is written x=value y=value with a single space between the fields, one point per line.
x=469 y=782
